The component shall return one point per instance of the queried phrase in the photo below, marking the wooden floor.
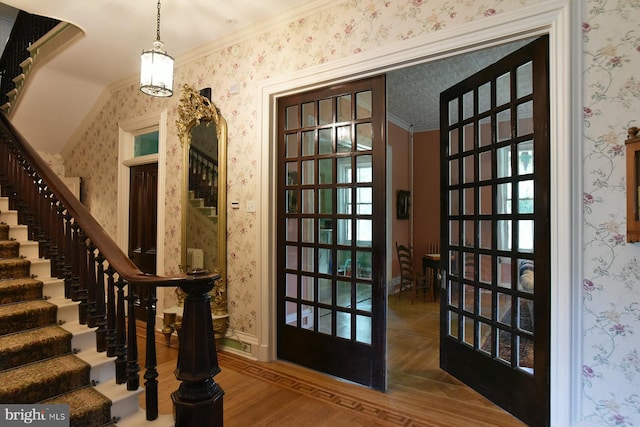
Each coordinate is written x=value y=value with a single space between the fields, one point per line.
x=282 y=394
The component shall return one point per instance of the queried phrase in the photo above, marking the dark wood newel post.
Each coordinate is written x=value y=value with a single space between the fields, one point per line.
x=198 y=400
x=80 y=249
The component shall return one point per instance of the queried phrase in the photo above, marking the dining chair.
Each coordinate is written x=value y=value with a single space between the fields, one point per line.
x=409 y=279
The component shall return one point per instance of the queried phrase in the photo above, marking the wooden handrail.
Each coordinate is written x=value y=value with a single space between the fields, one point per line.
x=110 y=250
x=78 y=248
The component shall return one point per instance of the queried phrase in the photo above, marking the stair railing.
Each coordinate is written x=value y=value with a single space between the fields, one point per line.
x=84 y=256
x=203 y=176
x=26 y=29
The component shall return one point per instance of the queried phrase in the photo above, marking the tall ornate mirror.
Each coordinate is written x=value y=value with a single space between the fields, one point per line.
x=203 y=135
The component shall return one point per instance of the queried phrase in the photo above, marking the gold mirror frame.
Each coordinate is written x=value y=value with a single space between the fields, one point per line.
x=193 y=110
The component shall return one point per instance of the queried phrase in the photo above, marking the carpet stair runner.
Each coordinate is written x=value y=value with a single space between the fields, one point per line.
x=46 y=356
x=200 y=205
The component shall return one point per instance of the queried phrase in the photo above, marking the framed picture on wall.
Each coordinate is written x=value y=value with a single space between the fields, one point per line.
x=404 y=202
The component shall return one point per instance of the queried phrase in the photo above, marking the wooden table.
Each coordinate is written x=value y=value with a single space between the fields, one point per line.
x=431 y=261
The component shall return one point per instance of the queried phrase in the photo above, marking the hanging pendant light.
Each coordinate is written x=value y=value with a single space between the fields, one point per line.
x=156 y=68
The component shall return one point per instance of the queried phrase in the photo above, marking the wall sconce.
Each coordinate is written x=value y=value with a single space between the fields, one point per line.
x=156 y=68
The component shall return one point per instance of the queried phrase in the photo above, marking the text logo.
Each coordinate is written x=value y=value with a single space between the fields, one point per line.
x=34 y=415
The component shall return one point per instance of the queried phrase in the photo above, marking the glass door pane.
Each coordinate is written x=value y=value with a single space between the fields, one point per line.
x=495 y=160
x=327 y=300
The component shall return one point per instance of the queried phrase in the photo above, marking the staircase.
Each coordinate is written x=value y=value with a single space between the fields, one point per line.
x=46 y=356
x=201 y=206
x=34 y=39
x=102 y=278
x=202 y=224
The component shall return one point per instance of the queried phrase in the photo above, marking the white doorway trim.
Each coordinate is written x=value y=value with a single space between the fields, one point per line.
x=552 y=18
x=127 y=131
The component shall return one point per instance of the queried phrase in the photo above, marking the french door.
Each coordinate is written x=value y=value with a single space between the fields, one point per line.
x=331 y=230
x=495 y=232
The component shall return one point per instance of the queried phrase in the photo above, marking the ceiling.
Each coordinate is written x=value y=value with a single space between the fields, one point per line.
x=115 y=34
x=413 y=93
x=65 y=89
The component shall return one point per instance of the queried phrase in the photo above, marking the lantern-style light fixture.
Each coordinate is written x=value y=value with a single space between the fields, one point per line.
x=156 y=68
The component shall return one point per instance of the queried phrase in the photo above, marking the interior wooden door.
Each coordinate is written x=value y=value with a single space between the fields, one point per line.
x=496 y=233
x=143 y=214
x=331 y=230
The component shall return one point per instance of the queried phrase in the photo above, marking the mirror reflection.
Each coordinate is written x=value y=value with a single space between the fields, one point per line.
x=202 y=199
x=203 y=134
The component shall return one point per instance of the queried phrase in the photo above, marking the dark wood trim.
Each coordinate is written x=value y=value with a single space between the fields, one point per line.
x=351 y=359
x=109 y=249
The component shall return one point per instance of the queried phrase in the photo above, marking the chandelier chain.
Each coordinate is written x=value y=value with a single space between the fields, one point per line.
x=158 y=27
x=156 y=67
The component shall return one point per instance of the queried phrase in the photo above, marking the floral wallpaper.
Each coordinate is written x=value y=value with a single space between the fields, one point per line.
x=611 y=286
x=611 y=44
x=55 y=162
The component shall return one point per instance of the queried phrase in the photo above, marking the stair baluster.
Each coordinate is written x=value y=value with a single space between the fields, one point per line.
x=50 y=228
x=203 y=171
x=40 y=226
x=133 y=368
x=100 y=311
x=58 y=227
x=82 y=294
x=151 y=373
x=28 y=189
x=70 y=236
x=68 y=255
x=19 y=194
x=110 y=331
x=121 y=335
x=75 y=261
x=91 y=284
x=26 y=29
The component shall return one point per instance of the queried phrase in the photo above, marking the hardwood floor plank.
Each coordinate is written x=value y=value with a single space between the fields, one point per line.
x=282 y=394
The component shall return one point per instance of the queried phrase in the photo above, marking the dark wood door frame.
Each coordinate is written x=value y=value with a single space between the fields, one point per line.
x=143 y=213
x=495 y=322
x=557 y=20
x=319 y=310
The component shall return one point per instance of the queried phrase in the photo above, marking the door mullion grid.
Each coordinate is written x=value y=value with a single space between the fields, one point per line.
x=331 y=296
x=476 y=223
x=504 y=310
x=352 y=214
x=515 y=237
x=452 y=310
x=515 y=212
x=460 y=195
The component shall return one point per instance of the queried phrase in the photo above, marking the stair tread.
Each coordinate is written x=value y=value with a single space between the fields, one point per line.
x=9 y=260
x=16 y=340
x=4 y=231
x=24 y=306
x=26 y=315
x=32 y=345
x=87 y=406
x=77 y=328
x=115 y=392
x=14 y=268
x=45 y=370
x=13 y=281
x=9 y=249
x=44 y=379
x=24 y=289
